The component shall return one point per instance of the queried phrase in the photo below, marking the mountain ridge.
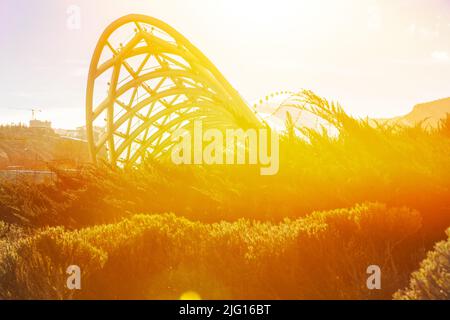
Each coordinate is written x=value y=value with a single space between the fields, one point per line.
x=428 y=113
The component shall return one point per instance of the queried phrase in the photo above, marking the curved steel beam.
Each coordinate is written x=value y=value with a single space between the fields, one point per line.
x=196 y=90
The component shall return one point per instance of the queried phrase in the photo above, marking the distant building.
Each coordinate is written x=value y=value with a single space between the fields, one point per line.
x=40 y=124
x=80 y=133
x=41 y=127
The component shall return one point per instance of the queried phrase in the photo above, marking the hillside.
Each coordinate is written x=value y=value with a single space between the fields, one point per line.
x=34 y=149
x=430 y=113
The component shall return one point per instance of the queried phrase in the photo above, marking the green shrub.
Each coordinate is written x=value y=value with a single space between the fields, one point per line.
x=322 y=256
x=432 y=280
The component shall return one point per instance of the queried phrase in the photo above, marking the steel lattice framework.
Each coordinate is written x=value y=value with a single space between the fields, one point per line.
x=147 y=80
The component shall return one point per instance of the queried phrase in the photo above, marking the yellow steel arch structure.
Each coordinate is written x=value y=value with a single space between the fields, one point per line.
x=147 y=80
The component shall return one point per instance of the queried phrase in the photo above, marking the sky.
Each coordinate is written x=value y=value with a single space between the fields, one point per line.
x=377 y=58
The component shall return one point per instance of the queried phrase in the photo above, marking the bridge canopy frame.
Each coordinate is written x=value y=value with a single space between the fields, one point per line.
x=145 y=81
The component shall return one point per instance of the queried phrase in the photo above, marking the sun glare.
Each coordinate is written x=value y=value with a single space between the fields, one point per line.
x=267 y=16
x=190 y=295
x=226 y=151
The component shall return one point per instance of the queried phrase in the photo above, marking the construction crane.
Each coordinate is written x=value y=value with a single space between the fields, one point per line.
x=34 y=111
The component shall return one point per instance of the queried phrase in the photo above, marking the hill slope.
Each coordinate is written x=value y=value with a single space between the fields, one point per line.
x=28 y=148
x=430 y=113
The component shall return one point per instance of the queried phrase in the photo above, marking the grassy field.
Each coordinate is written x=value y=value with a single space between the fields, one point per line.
x=369 y=195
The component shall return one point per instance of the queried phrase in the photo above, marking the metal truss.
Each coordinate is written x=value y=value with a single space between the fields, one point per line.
x=145 y=81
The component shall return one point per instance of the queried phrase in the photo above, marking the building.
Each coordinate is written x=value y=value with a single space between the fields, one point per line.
x=40 y=124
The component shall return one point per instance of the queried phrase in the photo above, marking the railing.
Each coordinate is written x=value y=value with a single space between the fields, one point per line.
x=35 y=176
